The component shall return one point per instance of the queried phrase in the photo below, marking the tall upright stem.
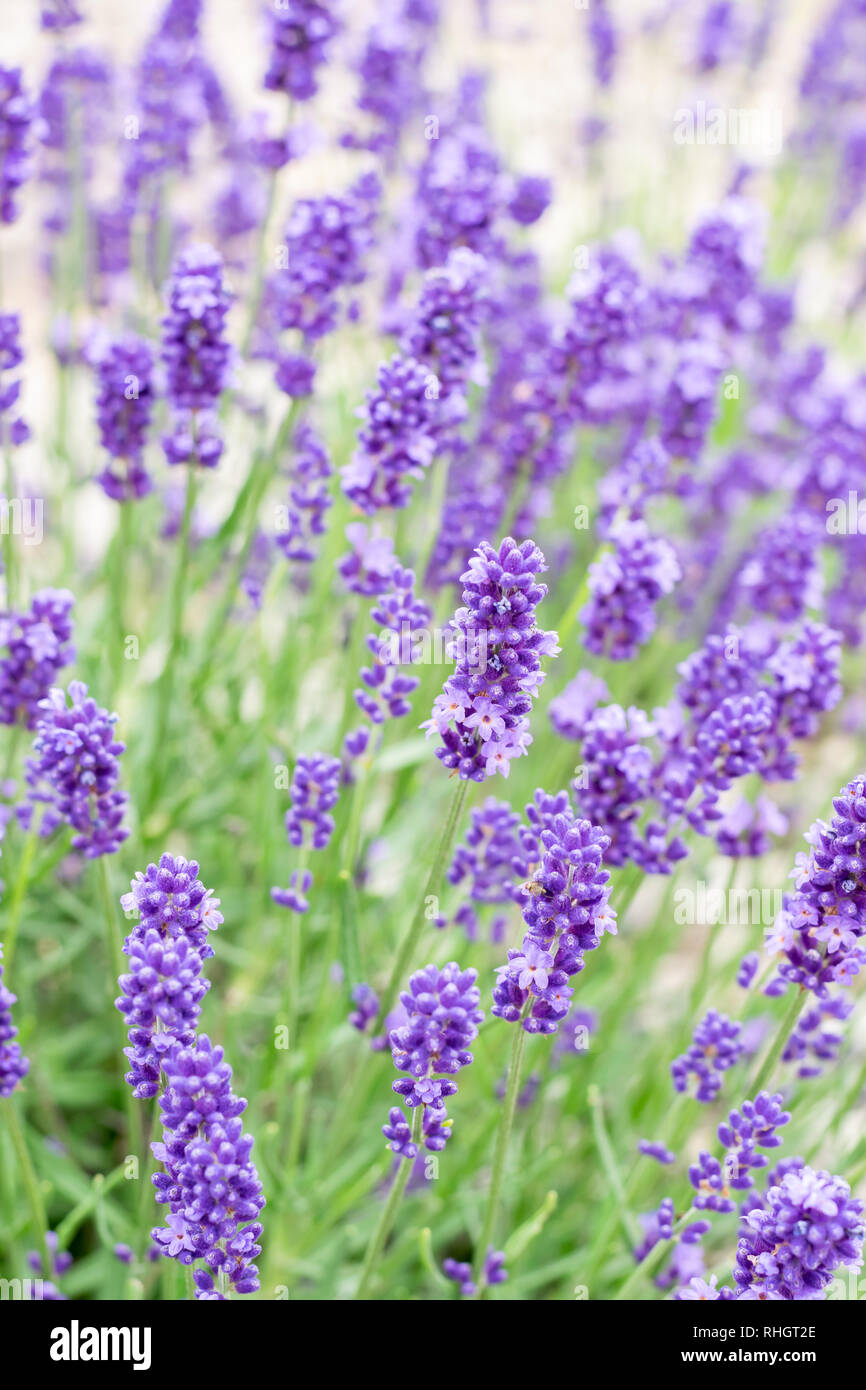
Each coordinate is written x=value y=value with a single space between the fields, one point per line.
x=9 y=1108
x=389 y=1211
x=434 y=882
x=500 y=1155
x=166 y=683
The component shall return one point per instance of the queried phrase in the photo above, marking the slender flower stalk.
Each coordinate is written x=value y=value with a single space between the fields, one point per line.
x=387 y=1216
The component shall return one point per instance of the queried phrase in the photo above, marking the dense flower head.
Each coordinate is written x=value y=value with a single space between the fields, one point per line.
x=309 y=498
x=566 y=911
x=366 y=1002
x=124 y=402
x=13 y=429
x=75 y=770
x=443 y=332
x=326 y=243
x=366 y=568
x=441 y=1018
x=209 y=1180
x=396 y=442
x=497 y=648
x=716 y=1045
x=13 y=1064
x=782 y=577
x=809 y=1228
x=160 y=1001
x=170 y=899
x=38 y=644
x=461 y=195
x=196 y=354
x=16 y=116
x=483 y=865
x=625 y=585
x=301 y=33
x=314 y=792
x=405 y=624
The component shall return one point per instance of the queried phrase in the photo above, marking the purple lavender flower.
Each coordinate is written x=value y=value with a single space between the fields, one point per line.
x=59 y=15
x=811 y=1226
x=75 y=770
x=295 y=896
x=625 y=584
x=651 y=1148
x=604 y=40
x=716 y=1046
x=530 y=198
x=396 y=441
x=301 y=34
x=38 y=646
x=171 y=899
x=566 y=912
x=16 y=116
x=13 y=1064
x=461 y=1273
x=441 y=1020
x=367 y=567
x=210 y=1182
x=657 y=1225
x=444 y=329
x=401 y=616
x=313 y=793
x=124 y=403
x=748 y=969
x=196 y=354
x=366 y=1002
x=497 y=647
x=309 y=498
x=783 y=576
x=13 y=430
x=484 y=862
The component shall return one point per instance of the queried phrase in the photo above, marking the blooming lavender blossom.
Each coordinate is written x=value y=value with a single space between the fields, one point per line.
x=367 y=567
x=16 y=116
x=566 y=912
x=38 y=645
x=210 y=1182
x=484 y=862
x=302 y=32
x=810 y=1227
x=716 y=1046
x=13 y=430
x=295 y=896
x=651 y=1148
x=461 y=1273
x=444 y=329
x=313 y=793
x=75 y=769
x=124 y=403
x=401 y=615
x=442 y=1018
x=496 y=646
x=625 y=585
x=396 y=442
x=13 y=1064
x=366 y=1002
x=196 y=354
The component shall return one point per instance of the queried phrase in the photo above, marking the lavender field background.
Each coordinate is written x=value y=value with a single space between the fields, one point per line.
x=433 y=807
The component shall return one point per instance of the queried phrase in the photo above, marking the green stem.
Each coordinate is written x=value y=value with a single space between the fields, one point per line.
x=500 y=1155
x=166 y=684
x=610 y=1165
x=434 y=880
x=777 y=1046
x=16 y=897
x=34 y=1196
x=389 y=1212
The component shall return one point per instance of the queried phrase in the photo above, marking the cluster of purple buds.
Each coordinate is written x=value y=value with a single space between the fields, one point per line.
x=309 y=498
x=745 y=1131
x=497 y=647
x=431 y=1045
x=566 y=911
x=13 y=430
x=818 y=934
x=124 y=403
x=401 y=616
x=326 y=241
x=13 y=1064
x=196 y=354
x=461 y=1273
x=75 y=769
x=313 y=793
x=716 y=1045
x=397 y=439
x=444 y=330
x=484 y=862
x=38 y=644
x=162 y=992
x=16 y=116
x=366 y=1009
x=301 y=34
x=59 y=1261
x=365 y=570
x=625 y=585
x=210 y=1182
x=808 y=1228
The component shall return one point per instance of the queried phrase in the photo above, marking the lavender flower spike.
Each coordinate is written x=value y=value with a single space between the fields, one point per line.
x=75 y=771
x=497 y=649
x=811 y=1226
x=196 y=354
x=13 y=1064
